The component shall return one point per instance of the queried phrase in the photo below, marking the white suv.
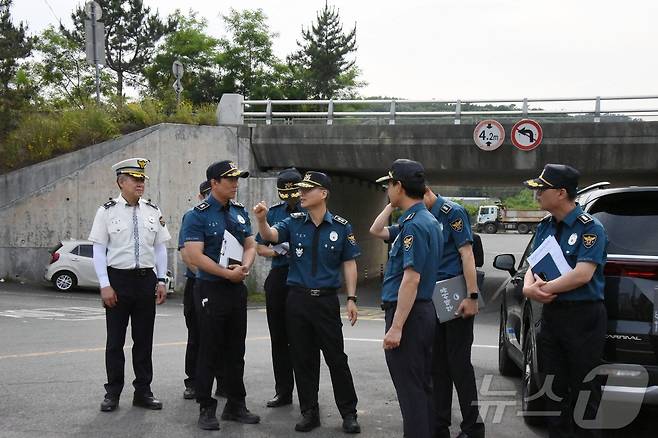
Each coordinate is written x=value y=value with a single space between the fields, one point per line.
x=71 y=265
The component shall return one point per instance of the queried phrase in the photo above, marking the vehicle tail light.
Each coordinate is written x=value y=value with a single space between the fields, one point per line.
x=54 y=257
x=647 y=271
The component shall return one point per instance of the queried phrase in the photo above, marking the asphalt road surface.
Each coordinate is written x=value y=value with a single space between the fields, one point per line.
x=52 y=370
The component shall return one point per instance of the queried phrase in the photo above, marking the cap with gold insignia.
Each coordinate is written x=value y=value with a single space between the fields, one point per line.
x=286 y=183
x=132 y=166
x=555 y=176
x=315 y=179
x=404 y=170
x=225 y=169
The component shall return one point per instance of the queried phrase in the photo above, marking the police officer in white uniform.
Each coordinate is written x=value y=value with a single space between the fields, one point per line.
x=130 y=259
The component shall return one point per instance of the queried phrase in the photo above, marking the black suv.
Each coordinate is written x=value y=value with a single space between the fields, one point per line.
x=630 y=217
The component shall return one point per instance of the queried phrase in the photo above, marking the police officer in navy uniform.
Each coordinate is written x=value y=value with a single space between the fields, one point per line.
x=320 y=245
x=574 y=320
x=189 y=311
x=451 y=364
x=130 y=260
x=222 y=293
x=276 y=287
x=409 y=280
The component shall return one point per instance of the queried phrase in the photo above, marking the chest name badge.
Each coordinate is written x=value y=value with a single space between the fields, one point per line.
x=573 y=238
x=333 y=236
x=241 y=219
x=299 y=251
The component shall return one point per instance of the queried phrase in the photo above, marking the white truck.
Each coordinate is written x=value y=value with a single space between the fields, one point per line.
x=494 y=218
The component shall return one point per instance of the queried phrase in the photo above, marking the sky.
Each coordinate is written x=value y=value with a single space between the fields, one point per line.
x=459 y=49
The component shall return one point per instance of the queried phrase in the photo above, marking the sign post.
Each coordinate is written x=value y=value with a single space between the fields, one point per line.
x=95 y=41
x=178 y=70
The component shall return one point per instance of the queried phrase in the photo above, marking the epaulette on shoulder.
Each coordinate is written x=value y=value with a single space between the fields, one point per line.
x=297 y=215
x=585 y=218
x=409 y=217
x=340 y=220
x=237 y=204
x=150 y=204
x=279 y=204
x=446 y=207
x=110 y=203
x=203 y=206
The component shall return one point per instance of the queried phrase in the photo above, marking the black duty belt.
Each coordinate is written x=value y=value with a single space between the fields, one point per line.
x=314 y=292
x=139 y=272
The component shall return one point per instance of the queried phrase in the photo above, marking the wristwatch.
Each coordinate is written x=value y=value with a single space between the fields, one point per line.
x=352 y=298
x=162 y=281
x=473 y=295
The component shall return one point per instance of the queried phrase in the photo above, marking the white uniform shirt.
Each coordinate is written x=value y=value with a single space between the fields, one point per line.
x=130 y=233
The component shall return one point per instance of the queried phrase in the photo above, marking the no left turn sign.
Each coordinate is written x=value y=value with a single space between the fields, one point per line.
x=526 y=134
x=489 y=135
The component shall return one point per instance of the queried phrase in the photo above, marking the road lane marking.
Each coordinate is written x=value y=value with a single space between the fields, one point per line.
x=169 y=344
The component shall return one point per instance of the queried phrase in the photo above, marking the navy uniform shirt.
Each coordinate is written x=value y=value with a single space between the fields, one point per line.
x=317 y=253
x=207 y=222
x=456 y=233
x=181 y=244
x=276 y=214
x=417 y=244
x=582 y=239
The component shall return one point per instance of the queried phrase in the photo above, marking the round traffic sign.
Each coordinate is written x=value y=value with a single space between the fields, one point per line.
x=526 y=134
x=93 y=6
x=177 y=69
x=489 y=135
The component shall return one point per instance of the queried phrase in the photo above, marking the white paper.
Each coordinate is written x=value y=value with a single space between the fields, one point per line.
x=281 y=248
x=551 y=247
x=231 y=250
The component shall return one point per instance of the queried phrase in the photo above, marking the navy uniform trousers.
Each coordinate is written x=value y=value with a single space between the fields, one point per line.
x=135 y=289
x=276 y=295
x=314 y=325
x=410 y=366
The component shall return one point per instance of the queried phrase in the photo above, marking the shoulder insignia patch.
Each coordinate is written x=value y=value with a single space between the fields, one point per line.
x=204 y=205
x=589 y=240
x=110 y=203
x=407 y=242
x=457 y=225
x=297 y=215
x=446 y=208
x=351 y=238
x=150 y=204
x=409 y=217
x=585 y=218
x=162 y=221
x=237 y=204
x=340 y=220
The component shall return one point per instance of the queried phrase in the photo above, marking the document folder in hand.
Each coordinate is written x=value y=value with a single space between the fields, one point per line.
x=232 y=251
x=548 y=261
x=448 y=295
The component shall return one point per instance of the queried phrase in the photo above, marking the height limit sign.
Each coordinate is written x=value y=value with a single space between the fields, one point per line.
x=489 y=135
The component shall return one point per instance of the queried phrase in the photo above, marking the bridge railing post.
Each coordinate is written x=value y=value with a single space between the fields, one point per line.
x=458 y=112
x=230 y=110
x=391 y=120
x=330 y=112
x=597 y=109
x=525 y=107
x=268 y=112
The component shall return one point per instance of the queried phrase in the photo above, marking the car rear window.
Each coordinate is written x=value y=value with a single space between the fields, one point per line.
x=630 y=220
x=55 y=248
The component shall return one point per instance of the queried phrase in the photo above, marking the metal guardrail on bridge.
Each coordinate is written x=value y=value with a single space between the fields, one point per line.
x=390 y=108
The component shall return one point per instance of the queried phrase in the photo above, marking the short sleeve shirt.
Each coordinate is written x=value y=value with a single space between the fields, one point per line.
x=417 y=244
x=207 y=222
x=276 y=214
x=456 y=230
x=317 y=253
x=181 y=244
x=582 y=239
x=130 y=232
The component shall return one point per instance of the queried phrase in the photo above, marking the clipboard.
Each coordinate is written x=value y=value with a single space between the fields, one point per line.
x=447 y=296
x=232 y=251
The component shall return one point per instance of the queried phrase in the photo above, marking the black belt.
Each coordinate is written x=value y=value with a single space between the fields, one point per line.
x=139 y=272
x=314 y=292
x=386 y=305
x=573 y=303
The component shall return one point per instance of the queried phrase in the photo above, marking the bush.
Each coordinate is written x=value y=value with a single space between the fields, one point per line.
x=207 y=114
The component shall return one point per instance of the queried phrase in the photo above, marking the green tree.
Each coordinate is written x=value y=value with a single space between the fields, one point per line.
x=198 y=52
x=524 y=200
x=322 y=67
x=247 y=60
x=132 y=32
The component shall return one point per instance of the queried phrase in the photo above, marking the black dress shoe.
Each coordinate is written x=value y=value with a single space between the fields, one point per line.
x=280 y=400
x=350 y=425
x=147 y=402
x=240 y=415
x=207 y=419
x=109 y=404
x=189 y=393
x=310 y=420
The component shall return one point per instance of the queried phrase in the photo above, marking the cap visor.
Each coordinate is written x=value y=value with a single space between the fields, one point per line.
x=236 y=173
x=535 y=184
x=384 y=179
x=135 y=175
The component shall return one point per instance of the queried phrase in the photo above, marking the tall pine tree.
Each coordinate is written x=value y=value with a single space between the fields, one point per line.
x=322 y=67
